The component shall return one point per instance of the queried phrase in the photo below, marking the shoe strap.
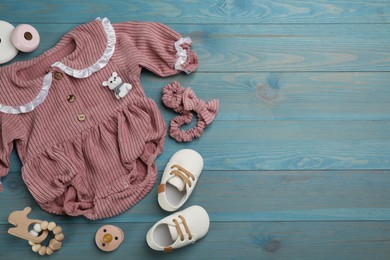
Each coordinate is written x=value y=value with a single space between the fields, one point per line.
x=183 y=174
x=179 y=231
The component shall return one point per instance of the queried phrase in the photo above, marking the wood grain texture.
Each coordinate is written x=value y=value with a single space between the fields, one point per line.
x=231 y=240
x=200 y=12
x=296 y=162
x=286 y=145
x=253 y=196
x=286 y=96
x=274 y=48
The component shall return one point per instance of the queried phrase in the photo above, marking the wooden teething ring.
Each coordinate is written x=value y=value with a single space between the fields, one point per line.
x=54 y=244
x=21 y=222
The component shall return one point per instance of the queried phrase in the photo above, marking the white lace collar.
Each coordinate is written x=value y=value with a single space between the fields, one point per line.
x=102 y=62
x=83 y=73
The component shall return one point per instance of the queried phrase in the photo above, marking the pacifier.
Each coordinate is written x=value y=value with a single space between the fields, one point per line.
x=23 y=38
x=109 y=237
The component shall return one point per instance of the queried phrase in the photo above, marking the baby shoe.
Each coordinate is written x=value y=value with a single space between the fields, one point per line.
x=179 y=179
x=179 y=229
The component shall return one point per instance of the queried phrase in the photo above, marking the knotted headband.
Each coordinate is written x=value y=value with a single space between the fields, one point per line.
x=184 y=101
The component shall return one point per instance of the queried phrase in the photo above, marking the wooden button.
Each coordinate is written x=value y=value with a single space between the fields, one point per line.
x=58 y=75
x=71 y=98
x=81 y=117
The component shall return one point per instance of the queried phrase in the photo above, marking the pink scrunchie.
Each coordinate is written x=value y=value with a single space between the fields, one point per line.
x=183 y=101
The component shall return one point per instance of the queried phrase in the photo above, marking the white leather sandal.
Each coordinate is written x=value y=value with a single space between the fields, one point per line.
x=179 y=179
x=179 y=229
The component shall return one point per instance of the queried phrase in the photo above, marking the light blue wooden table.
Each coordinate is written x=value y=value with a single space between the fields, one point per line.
x=297 y=163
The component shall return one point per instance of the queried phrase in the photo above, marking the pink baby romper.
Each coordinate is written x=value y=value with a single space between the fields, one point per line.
x=84 y=151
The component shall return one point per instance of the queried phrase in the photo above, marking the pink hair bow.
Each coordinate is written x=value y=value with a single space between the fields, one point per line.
x=184 y=101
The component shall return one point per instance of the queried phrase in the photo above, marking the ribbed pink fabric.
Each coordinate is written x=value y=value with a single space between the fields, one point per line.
x=184 y=101
x=103 y=165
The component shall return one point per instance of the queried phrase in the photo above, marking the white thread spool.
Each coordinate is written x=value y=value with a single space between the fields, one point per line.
x=25 y=38
x=7 y=49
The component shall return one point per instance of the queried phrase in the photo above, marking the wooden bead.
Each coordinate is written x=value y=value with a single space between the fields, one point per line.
x=55 y=245
x=44 y=225
x=31 y=243
x=33 y=233
x=59 y=237
x=49 y=251
x=57 y=230
x=42 y=250
x=37 y=228
x=51 y=226
x=36 y=247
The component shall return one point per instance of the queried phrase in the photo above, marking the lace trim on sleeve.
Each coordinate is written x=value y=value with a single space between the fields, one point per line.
x=181 y=53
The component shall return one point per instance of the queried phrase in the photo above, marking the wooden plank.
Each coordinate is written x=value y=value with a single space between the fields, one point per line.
x=273 y=48
x=293 y=48
x=292 y=145
x=251 y=196
x=286 y=145
x=244 y=240
x=285 y=96
x=203 y=12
